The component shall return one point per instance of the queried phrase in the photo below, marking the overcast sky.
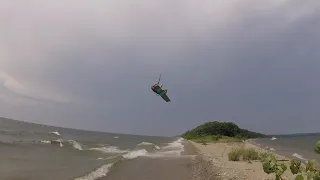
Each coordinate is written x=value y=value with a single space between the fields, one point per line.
x=90 y=64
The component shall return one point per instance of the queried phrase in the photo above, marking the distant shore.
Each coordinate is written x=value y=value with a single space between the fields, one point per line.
x=217 y=155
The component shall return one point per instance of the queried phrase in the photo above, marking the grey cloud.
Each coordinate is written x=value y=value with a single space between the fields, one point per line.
x=243 y=61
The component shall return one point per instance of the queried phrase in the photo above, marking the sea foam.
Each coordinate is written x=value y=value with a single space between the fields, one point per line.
x=109 y=149
x=56 y=133
x=299 y=156
x=75 y=144
x=173 y=149
x=149 y=144
x=98 y=173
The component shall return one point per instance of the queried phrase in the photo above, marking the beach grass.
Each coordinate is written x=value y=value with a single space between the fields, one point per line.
x=244 y=154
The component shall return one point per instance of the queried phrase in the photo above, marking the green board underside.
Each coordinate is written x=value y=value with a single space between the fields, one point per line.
x=162 y=94
x=165 y=97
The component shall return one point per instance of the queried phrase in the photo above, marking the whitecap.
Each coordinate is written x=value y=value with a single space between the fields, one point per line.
x=45 y=142
x=145 y=143
x=75 y=144
x=175 y=145
x=56 y=133
x=135 y=154
x=98 y=173
x=109 y=149
x=57 y=141
x=149 y=144
x=299 y=156
x=173 y=149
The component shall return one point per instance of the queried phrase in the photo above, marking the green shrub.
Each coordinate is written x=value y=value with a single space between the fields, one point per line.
x=270 y=165
x=317 y=148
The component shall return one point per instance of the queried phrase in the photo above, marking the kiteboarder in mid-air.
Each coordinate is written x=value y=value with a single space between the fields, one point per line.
x=157 y=88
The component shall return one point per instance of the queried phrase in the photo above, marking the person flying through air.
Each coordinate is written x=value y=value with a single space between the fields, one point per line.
x=157 y=88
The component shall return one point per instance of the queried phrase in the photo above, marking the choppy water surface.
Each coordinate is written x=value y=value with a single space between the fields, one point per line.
x=33 y=151
x=298 y=146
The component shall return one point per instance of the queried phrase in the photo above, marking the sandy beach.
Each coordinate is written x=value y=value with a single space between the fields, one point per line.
x=217 y=155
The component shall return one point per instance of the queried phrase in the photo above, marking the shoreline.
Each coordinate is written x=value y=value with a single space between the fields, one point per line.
x=216 y=154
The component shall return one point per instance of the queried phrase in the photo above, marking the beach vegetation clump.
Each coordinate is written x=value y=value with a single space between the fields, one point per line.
x=250 y=154
x=271 y=165
x=235 y=155
x=317 y=148
x=243 y=154
x=264 y=155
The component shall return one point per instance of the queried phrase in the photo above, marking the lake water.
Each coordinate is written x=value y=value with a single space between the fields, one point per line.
x=298 y=146
x=33 y=151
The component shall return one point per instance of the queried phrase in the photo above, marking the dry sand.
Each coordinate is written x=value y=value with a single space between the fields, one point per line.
x=217 y=155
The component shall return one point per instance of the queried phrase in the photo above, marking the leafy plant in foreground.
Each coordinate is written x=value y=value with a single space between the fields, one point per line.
x=270 y=165
x=317 y=148
x=312 y=172
x=295 y=168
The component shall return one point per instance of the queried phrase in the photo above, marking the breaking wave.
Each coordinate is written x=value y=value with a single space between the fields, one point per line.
x=56 y=133
x=135 y=154
x=98 y=173
x=109 y=149
x=299 y=156
x=173 y=149
x=74 y=144
x=149 y=144
x=58 y=141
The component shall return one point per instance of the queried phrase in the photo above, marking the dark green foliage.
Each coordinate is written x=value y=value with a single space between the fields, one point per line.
x=206 y=139
x=295 y=166
x=312 y=172
x=220 y=129
x=315 y=175
x=270 y=165
x=317 y=148
x=299 y=177
x=311 y=166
